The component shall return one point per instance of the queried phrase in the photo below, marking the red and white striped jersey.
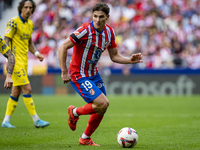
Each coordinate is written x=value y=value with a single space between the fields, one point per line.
x=89 y=45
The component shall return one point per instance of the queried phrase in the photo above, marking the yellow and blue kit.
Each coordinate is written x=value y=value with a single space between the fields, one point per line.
x=3 y=46
x=20 y=32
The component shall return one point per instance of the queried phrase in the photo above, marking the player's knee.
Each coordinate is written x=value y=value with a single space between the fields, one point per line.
x=104 y=107
x=106 y=104
x=27 y=90
x=101 y=105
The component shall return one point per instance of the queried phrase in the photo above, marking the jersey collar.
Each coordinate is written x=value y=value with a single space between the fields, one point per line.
x=22 y=19
x=95 y=28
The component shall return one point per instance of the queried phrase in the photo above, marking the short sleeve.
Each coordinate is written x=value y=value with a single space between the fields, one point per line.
x=77 y=35
x=112 y=43
x=11 y=28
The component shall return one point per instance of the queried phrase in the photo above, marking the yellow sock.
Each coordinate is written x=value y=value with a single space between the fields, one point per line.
x=29 y=104
x=11 y=105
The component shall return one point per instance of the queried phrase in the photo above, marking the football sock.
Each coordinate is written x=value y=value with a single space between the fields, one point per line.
x=11 y=105
x=74 y=112
x=83 y=136
x=35 y=118
x=93 y=123
x=28 y=101
x=6 y=118
x=85 y=110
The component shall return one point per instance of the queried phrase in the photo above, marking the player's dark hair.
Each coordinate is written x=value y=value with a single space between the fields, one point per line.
x=101 y=7
x=21 y=5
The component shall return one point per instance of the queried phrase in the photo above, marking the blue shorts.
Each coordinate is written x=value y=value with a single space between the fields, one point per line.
x=89 y=87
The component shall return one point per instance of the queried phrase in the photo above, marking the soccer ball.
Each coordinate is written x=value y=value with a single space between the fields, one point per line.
x=127 y=137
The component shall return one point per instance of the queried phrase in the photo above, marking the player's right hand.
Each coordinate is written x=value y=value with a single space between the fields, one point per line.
x=66 y=77
x=8 y=82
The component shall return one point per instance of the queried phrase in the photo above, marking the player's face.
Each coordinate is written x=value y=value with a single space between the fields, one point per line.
x=27 y=10
x=99 y=20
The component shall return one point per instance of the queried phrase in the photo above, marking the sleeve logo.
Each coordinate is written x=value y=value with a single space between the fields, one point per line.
x=8 y=30
x=76 y=33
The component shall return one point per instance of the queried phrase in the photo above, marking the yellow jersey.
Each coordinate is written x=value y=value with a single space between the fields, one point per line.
x=20 y=31
x=3 y=46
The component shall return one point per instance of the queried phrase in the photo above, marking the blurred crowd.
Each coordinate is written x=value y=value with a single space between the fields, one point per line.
x=166 y=32
x=4 y=4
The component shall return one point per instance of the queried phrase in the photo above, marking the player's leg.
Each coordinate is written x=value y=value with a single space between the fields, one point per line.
x=100 y=105
x=90 y=88
x=11 y=106
x=28 y=101
x=96 y=106
x=89 y=91
x=18 y=77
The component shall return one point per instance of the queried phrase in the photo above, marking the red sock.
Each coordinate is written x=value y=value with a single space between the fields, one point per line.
x=85 y=110
x=93 y=123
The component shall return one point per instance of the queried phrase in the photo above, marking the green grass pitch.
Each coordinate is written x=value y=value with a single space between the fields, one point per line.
x=162 y=123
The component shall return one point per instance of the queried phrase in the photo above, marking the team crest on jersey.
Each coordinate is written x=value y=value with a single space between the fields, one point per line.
x=91 y=91
x=107 y=43
x=8 y=30
x=96 y=56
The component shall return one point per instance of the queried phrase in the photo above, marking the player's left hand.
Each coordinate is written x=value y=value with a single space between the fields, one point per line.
x=136 y=58
x=8 y=82
x=40 y=57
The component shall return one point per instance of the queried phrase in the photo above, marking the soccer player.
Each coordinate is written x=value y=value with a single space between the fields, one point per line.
x=88 y=42
x=5 y=50
x=18 y=35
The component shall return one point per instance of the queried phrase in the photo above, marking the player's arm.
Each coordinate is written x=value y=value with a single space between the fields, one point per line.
x=115 y=56
x=10 y=66
x=9 y=55
x=33 y=50
x=11 y=61
x=62 y=56
x=7 y=40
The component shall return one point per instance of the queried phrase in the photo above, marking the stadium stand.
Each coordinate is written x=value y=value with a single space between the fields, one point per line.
x=166 y=32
